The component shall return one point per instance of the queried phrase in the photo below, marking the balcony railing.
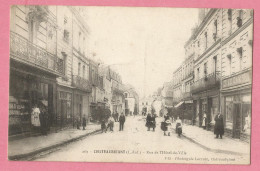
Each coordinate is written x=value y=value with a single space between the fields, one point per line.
x=25 y=51
x=81 y=83
x=206 y=83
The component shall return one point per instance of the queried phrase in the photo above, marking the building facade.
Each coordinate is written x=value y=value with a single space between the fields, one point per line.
x=34 y=66
x=221 y=48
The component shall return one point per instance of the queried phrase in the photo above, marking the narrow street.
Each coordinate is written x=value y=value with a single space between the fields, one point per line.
x=134 y=141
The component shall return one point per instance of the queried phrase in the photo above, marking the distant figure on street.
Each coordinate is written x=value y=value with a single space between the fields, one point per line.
x=178 y=126
x=111 y=123
x=103 y=125
x=166 y=125
x=117 y=115
x=78 y=122
x=121 y=122
x=204 y=120
x=84 y=122
x=219 y=125
x=150 y=122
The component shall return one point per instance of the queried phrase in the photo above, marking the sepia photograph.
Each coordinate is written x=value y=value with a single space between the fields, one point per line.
x=130 y=84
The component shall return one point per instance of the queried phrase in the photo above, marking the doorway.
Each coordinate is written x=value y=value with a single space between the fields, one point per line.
x=236 y=120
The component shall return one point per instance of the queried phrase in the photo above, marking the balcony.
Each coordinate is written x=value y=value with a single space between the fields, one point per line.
x=208 y=82
x=29 y=53
x=81 y=83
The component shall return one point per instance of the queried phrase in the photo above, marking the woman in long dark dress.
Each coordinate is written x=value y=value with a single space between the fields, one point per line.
x=219 y=126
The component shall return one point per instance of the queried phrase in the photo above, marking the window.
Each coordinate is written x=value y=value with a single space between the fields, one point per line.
x=240 y=18
x=216 y=30
x=230 y=20
x=66 y=35
x=83 y=46
x=79 y=41
x=229 y=64
x=215 y=63
x=84 y=71
x=206 y=69
x=79 y=66
x=206 y=40
x=198 y=73
x=240 y=53
x=228 y=110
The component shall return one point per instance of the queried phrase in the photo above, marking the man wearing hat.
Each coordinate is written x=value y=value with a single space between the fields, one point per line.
x=219 y=125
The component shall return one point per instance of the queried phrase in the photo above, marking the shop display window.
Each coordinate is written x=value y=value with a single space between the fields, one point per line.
x=228 y=110
x=246 y=114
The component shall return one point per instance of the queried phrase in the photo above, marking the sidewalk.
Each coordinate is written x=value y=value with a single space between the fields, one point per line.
x=206 y=139
x=18 y=149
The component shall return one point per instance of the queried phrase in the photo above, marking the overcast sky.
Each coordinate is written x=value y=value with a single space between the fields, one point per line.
x=123 y=36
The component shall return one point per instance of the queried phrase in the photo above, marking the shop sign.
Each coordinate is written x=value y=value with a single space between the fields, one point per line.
x=237 y=80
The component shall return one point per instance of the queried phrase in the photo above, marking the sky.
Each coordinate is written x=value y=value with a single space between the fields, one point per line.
x=130 y=38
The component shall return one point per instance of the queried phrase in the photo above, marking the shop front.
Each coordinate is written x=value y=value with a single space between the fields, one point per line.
x=64 y=107
x=28 y=89
x=236 y=100
x=205 y=103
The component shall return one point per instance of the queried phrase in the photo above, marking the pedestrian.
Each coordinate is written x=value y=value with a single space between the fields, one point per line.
x=121 y=122
x=103 y=125
x=219 y=125
x=153 y=122
x=84 y=122
x=178 y=126
x=117 y=115
x=148 y=121
x=35 y=117
x=43 y=119
x=204 y=120
x=111 y=123
x=78 y=122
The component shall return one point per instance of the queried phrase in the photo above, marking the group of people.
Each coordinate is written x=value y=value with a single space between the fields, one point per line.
x=108 y=123
x=166 y=126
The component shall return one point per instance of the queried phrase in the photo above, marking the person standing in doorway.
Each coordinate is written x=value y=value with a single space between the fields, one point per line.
x=204 y=120
x=84 y=122
x=219 y=125
x=121 y=122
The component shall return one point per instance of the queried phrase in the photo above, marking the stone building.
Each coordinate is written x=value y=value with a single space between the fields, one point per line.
x=49 y=67
x=236 y=66
x=34 y=66
x=221 y=48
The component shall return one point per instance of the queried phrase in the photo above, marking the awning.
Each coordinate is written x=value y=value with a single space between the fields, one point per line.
x=179 y=104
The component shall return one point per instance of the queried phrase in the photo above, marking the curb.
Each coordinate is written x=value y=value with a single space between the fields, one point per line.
x=211 y=149
x=26 y=155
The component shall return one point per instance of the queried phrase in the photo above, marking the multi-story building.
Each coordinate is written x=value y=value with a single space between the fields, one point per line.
x=49 y=66
x=221 y=50
x=131 y=100
x=167 y=97
x=236 y=67
x=206 y=42
x=118 y=99
x=34 y=66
